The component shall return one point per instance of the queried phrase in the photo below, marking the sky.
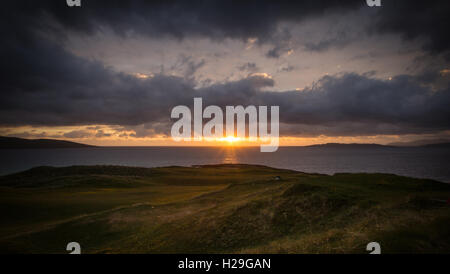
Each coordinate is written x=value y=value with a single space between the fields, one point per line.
x=110 y=72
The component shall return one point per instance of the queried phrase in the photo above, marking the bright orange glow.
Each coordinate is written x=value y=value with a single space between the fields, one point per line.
x=229 y=139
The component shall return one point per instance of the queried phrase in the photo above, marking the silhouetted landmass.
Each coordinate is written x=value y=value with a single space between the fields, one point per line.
x=19 y=143
x=391 y=145
x=442 y=145
x=338 y=145
x=419 y=143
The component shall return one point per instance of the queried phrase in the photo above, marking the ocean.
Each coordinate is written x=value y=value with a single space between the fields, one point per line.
x=419 y=162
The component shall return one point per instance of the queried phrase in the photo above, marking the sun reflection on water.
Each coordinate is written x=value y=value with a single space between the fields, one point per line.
x=229 y=156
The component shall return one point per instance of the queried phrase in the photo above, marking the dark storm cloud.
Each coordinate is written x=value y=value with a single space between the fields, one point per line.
x=411 y=19
x=417 y=19
x=277 y=51
x=348 y=104
x=43 y=84
x=353 y=104
x=215 y=19
x=234 y=19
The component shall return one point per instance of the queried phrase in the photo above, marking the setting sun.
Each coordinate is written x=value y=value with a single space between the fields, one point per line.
x=230 y=139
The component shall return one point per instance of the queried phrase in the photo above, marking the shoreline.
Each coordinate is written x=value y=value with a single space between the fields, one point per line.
x=226 y=164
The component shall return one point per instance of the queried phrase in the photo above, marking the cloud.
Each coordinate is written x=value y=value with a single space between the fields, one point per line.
x=337 y=40
x=277 y=51
x=254 y=20
x=351 y=98
x=187 y=65
x=100 y=134
x=282 y=44
x=287 y=68
x=215 y=19
x=249 y=67
x=416 y=19
x=77 y=134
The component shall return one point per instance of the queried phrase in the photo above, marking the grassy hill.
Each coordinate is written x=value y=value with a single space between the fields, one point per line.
x=219 y=209
x=19 y=143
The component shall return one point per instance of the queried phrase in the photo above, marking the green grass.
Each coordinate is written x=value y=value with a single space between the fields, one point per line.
x=219 y=209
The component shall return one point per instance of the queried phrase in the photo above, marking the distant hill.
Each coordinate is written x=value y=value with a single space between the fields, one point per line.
x=19 y=143
x=447 y=145
x=338 y=145
x=391 y=145
x=423 y=142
